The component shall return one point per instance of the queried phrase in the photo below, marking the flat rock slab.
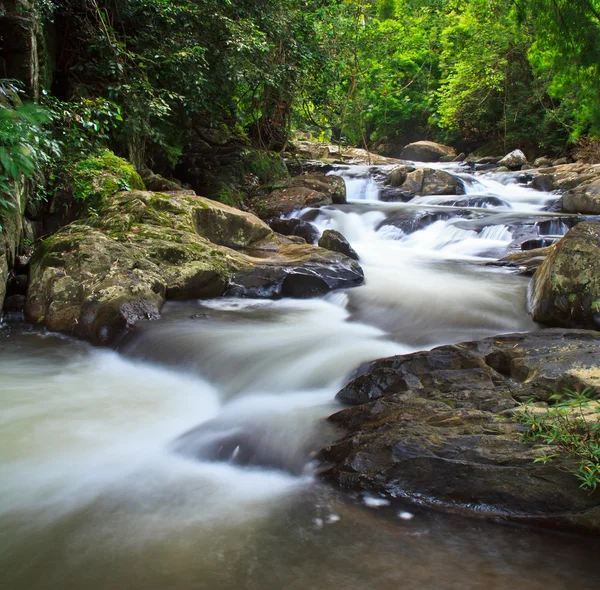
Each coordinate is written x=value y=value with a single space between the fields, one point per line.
x=438 y=427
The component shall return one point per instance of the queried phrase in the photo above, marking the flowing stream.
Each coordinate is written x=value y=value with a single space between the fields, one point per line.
x=183 y=462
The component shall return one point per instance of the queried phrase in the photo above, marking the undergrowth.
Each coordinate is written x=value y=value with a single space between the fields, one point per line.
x=572 y=427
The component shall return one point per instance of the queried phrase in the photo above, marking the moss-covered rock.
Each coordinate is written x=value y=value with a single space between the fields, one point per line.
x=99 y=177
x=565 y=290
x=95 y=278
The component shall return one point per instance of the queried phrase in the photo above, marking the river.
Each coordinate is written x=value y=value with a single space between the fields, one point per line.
x=183 y=461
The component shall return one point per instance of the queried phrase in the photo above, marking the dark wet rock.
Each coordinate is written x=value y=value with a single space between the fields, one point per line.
x=565 y=290
x=298 y=166
x=333 y=240
x=527 y=261
x=514 y=160
x=14 y=303
x=412 y=221
x=527 y=167
x=524 y=178
x=295 y=227
x=438 y=427
x=560 y=162
x=476 y=201
x=389 y=194
x=17 y=285
x=296 y=270
x=537 y=243
x=426 y=151
x=310 y=190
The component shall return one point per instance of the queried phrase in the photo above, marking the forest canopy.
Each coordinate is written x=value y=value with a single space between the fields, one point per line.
x=139 y=74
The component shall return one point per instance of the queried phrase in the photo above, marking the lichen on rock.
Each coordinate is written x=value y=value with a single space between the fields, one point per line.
x=97 y=277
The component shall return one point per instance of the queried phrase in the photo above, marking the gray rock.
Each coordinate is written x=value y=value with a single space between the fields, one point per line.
x=584 y=198
x=542 y=162
x=514 y=160
x=438 y=427
x=429 y=181
x=426 y=151
x=565 y=290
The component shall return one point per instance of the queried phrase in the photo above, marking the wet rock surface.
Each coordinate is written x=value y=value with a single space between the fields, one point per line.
x=565 y=290
x=333 y=240
x=309 y=190
x=96 y=278
x=438 y=427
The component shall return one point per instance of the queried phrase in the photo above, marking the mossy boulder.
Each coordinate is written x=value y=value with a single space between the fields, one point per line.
x=565 y=290
x=98 y=177
x=96 y=278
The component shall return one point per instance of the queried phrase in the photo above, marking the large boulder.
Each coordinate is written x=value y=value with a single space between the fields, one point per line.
x=333 y=240
x=563 y=177
x=398 y=175
x=439 y=427
x=426 y=151
x=309 y=190
x=565 y=290
x=514 y=160
x=429 y=181
x=584 y=198
x=95 y=278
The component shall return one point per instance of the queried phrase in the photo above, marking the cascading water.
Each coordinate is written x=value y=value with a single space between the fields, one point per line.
x=184 y=461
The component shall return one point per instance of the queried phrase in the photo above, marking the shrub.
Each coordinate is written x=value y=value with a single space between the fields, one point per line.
x=572 y=427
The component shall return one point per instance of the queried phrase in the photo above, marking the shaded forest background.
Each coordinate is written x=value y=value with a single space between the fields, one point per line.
x=170 y=83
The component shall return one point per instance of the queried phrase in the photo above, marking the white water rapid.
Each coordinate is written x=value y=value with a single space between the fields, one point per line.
x=183 y=462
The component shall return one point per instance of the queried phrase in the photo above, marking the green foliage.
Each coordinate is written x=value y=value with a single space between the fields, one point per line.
x=266 y=166
x=572 y=427
x=97 y=178
x=567 y=50
x=25 y=145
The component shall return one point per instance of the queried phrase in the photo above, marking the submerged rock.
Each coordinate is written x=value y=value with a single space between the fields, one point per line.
x=95 y=278
x=565 y=290
x=426 y=151
x=439 y=427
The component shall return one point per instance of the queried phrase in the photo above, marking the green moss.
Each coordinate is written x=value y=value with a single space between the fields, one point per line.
x=97 y=178
x=229 y=194
x=267 y=166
